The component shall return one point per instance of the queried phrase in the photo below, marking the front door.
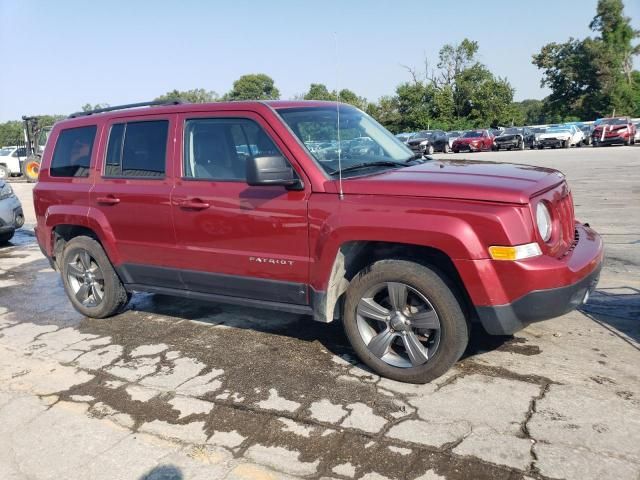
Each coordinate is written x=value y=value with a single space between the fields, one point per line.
x=237 y=240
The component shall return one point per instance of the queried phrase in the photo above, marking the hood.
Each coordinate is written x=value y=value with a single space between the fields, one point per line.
x=507 y=136
x=459 y=179
x=419 y=141
x=565 y=134
x=467 y=140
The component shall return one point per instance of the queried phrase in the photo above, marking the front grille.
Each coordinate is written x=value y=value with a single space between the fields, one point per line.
x=576 y=239
x=564 y=208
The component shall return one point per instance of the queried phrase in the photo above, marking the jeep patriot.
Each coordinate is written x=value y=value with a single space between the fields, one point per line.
x=274 y=205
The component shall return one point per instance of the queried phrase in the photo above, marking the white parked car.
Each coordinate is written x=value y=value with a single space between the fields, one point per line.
x=10 y=160
x=563 y=136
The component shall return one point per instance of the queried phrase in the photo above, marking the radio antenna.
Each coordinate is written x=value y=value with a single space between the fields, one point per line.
x=341 y=193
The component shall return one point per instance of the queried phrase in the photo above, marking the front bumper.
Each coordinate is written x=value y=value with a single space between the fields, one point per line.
x=466 y=147
x=11 y=215
x=552 y=142
x=597 y=140
x=507 y=296
x=537 y=306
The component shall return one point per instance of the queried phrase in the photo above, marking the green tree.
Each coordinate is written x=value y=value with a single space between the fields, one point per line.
x=11 y=133
x=593 y=77
x=257 y=86
x=319 y=91
x=87 y=107
x=196 y=95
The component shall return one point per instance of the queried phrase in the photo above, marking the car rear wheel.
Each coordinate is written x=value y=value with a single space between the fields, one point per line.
x=404 y=321
x=91 y=283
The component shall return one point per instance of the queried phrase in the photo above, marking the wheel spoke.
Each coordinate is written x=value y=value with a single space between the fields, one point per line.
x=95 y=291
x=74 y=270
x=83 y=293
x=415 y=349
x=97 y=273
x=425 y=319
x=369 y=308
x=380 y=343
x=397 y=295
x=85 y=259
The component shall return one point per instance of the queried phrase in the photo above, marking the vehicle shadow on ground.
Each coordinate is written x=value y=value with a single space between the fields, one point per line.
x=301 y=327
x=163 y=472
x=617 y=309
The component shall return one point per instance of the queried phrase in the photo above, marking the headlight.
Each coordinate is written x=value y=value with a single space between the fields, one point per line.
x=543 y=220
x=6 y=191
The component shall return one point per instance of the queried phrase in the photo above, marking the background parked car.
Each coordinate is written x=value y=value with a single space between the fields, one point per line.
x=563 y=136
x=428 y=141
x=10 y=158
x=452 y=135
x=473 y=141
x=404 y=137
x=11 y=216
x=515 y=137
x=614 y=130
x=587 y=130
x=637 y=135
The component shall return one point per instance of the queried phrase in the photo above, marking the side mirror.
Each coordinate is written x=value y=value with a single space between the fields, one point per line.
x=272 y=170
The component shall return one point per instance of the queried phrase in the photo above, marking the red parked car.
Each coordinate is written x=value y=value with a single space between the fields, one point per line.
x=473 y=141
x=228 y=202
x=609 y=131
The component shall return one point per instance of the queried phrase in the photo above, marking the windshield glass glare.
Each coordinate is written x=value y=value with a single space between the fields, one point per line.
x=362 y=139
x=5 y=152
x=472 y=135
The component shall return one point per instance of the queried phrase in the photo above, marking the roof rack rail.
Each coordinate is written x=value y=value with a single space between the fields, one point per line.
x=123 y=107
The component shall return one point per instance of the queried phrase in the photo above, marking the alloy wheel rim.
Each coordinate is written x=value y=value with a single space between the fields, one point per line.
x=85 y=279
x=398 y=324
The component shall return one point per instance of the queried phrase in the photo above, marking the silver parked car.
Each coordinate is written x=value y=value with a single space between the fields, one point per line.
x=11 y=216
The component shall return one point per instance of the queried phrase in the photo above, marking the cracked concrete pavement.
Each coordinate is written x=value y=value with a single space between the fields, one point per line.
x=177 y=389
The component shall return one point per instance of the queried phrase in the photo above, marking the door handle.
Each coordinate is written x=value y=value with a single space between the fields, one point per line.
x=108 y=200
x=194 y=204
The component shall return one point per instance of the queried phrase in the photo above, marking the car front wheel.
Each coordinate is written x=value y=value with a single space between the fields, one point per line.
x=91 y=283
x=404 y=321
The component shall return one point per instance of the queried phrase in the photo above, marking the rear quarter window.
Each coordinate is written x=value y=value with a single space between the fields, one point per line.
x=72 y=154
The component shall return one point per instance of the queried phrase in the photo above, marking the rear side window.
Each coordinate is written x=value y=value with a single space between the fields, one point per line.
x=72 y=155
x=137 y=149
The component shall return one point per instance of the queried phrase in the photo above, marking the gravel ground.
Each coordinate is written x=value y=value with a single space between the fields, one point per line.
x=177 y=389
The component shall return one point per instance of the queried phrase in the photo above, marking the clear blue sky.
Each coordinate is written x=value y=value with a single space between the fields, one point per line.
x=59 y=55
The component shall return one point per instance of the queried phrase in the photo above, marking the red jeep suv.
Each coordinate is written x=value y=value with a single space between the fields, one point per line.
x=261 y=204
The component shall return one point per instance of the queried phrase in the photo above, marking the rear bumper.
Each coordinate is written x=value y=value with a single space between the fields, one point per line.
x=537 y=306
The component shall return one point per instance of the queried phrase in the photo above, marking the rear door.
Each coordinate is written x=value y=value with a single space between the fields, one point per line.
x=235 y=239
x=132 y=196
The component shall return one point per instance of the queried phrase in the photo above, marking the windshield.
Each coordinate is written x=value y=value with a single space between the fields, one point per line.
x=362 y=139
x=512 y=131
x=6 y=151
x=557 y=129
x=614 y=121
x=472 y=135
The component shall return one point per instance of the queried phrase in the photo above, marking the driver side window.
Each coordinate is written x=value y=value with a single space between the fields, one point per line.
x=217 y=149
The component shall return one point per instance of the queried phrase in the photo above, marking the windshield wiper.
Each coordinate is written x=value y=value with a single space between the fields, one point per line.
x=381 y=163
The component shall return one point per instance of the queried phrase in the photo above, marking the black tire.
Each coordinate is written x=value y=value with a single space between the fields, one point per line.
x=522 y=145
x=454 y=329
x=446 y=148
x=566 y=144
x=114 y=298
x=5 y=173
x=429 y=150
x=5 y=237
